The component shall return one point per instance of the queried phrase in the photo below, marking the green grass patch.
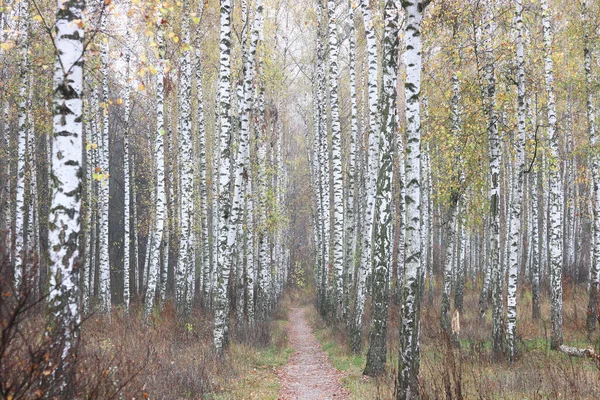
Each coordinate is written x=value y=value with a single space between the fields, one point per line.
x=255 y=377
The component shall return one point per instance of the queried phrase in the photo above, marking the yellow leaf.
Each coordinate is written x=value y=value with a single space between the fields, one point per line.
x=176 y=39
x=37 y=18
x=119 y=101
x=7 y=45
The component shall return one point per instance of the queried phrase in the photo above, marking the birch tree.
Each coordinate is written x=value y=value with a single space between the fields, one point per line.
x=408 y=361
x=155 y=238
x=186 y=172
x=455 y=196
x=591 y=120
x=202 y=176
x=336 y=161
x=350 y=216
x=382 y=256
x=127 y=177
x=370 y=185
x=517 y=188
x=104 y=266
x=220 y=334
x=21 y=246
x=67 y=150
x=555 y=244
x=494 y=193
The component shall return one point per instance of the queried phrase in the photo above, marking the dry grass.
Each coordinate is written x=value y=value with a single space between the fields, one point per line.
x=470 y=372
x=121 y=357
x=178 y=359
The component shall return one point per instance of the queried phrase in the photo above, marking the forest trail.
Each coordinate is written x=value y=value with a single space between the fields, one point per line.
x=308 y=373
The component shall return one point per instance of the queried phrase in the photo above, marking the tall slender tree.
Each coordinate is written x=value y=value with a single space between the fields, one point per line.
x=517 y=188
x=555 y=243
x=220 y=335
x=591 y=119
x=408 y=361
x=65 y=205
x=382 y=251
x=156 y=235
x=370 y=184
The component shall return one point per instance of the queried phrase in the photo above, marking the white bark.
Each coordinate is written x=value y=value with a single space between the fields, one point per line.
x=517 y=187
x=408 y=363
x=382 y=250
x=21 y=251
x=104 y=268
x=336 y=163
x=127 y=180
x=201 y=132
x=184 y=270
x=221 y=328
x=373 y=158
x=350 y=216
x=67 y=150
x=555 y=244
x=594 y=167
x=496 y=276
x=156 y=233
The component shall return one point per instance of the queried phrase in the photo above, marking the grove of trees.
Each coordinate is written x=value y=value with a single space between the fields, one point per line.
x=205 y=153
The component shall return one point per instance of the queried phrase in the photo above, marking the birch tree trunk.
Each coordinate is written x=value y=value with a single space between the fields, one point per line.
x=594 y=165
x=65 y=223
x=324 y=177
x=221 y=328
x=455 y=195
x=336 y=163
x=494 y=193
x=555 y=244
x=201 y=132
x=104 y=267
x=156 y=235
x=408 y=361
x=517 y=187
x=126 y=178
x=382 y=251
x=373 y=158
x=349 y=221
x=186 y=173
x=21 y=251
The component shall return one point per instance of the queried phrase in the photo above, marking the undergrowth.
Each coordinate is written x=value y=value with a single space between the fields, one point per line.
x=469 y=371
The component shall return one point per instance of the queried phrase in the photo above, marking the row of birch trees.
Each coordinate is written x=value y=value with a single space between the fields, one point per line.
x=171 y=168
x=481 y=178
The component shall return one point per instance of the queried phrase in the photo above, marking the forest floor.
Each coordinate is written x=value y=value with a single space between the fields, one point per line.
x=299 y=355
x=308 y=373
x=470 y=372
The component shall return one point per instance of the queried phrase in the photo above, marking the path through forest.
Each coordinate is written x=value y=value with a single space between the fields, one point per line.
x=309 y=373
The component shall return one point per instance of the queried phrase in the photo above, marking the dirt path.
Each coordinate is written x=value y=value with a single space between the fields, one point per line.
x=308 y=374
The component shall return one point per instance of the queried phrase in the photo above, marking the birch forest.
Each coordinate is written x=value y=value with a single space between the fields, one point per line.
x=311 y=199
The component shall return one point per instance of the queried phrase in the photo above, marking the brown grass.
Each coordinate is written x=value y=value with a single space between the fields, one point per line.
x=469 y=372
x=178 y=359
